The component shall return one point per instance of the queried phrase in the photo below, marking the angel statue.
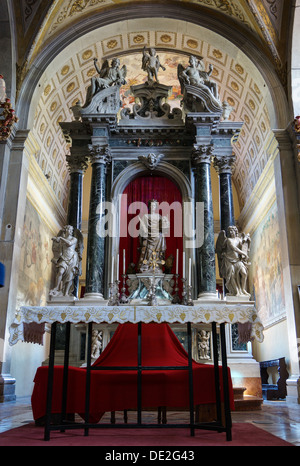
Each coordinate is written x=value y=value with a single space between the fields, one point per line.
x=108 y=75
x=67 y=249
x=151 y=64
x=233 y=258
x=195 y=75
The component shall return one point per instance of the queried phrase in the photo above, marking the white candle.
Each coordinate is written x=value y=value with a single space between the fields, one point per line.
x=183 y=265
x=190 y=271
x=177 y=252
x=124 y=262
x=112 y=269
x=118 y=264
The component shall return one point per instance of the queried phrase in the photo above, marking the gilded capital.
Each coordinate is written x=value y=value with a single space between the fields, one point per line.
x=202 y=154
x=224 y=164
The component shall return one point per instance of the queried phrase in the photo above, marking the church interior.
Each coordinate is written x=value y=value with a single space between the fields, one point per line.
x=150 y=189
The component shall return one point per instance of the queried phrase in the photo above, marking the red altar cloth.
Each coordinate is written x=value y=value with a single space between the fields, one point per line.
x=117 y=390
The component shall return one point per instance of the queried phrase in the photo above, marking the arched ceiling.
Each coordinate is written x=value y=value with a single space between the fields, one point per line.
x=65 y=81
x=266 y=21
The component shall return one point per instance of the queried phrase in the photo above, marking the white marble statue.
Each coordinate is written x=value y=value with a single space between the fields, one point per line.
x=233 y=258
x=109 y=75
x=153 y=228
x=195 y=75
x=203 y=344
x=67 y=248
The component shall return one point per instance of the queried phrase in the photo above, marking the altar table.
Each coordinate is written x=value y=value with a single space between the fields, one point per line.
x=135 y=371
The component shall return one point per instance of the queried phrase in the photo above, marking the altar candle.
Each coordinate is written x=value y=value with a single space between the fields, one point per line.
x=177 y=252
x=124 y=262
x=112 y=269
x=190 y=271
x=183 y=265
x=118 y=264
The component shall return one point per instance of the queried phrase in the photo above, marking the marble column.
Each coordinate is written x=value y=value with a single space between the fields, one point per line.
x=100 y=157
x=224 y=166
x=15 y=177
x=205 y=254
x=77 y=164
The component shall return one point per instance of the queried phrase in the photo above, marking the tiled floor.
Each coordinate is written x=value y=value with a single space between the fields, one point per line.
x=277 y=417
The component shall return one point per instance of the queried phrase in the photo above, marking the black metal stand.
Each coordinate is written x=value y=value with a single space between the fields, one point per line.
x=216 y=425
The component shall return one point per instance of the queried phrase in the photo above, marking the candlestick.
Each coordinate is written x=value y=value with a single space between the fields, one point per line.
x=190 y=270
x=177 y=252
x=183 y=265
x=112 y=270
x=124 y=262
x=118 y=265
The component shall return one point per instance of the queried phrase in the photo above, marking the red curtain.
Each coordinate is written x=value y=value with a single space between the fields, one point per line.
x=141 y=190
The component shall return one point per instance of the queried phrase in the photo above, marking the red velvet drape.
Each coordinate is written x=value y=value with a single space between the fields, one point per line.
x=142 y=190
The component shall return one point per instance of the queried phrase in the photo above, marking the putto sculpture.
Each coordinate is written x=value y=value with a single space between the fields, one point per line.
x=233 y=259
x=67 y=248
x=151 y=64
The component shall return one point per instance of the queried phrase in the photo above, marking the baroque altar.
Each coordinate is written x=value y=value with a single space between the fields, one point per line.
x=124 y=144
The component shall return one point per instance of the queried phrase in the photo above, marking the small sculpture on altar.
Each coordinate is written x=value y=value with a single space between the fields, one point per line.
x=153 y=229
x=67 y=249
x=96 y=344
x=233 y=257
x=203 y=344
x=151 y=64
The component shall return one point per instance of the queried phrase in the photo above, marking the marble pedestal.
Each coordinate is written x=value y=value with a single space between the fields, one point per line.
x=139 y=288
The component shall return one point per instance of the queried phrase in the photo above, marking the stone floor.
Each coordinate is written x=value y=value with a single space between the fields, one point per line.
x=277 y=417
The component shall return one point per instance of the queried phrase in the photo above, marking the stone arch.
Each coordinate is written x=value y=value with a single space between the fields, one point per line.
x=280 y=116
x=130 y=173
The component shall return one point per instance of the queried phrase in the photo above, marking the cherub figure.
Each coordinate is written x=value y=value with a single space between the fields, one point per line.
x=151 y=64
x=233 y=257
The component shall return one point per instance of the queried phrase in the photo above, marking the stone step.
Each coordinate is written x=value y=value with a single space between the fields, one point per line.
x=248 y=403
x=245 y=402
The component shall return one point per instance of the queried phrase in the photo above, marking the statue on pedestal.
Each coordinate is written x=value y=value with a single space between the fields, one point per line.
x=102 y=94
x=153 y=228
x=200 y=93
x=151 y=64
x=233 y=257
x=67 y=249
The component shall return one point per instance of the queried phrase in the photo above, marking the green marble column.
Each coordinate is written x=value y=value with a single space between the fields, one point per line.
x=205 y=254
x=77 y=164
x=224 y=166
x=100 y=157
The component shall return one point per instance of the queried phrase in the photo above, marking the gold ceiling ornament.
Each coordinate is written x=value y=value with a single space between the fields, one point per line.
x=165 y=38
x=87 y=54
x=47 y=90
x=71 y=87
x=193 y=44
x=239 y=68
x=65 y=70
x=74 y=7
x=217 y=53
x=139 y=39
x=112 y=44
